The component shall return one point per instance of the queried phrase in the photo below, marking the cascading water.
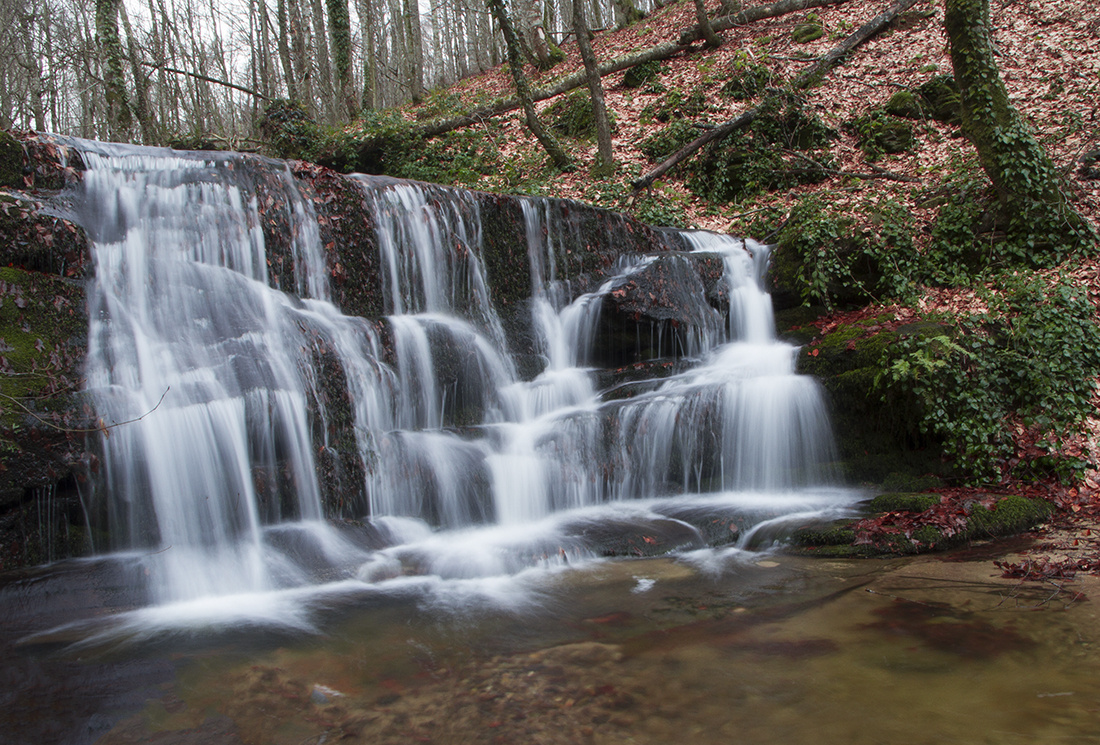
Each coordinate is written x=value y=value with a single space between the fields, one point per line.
x=196 y=344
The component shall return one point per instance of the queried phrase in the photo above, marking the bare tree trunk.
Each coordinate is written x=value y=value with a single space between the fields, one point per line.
x=712 y=39
x=366 y=19
x=32 y=63
x=293 y=90
x=415 y=47
x=149 y=134
x=523 y=88
x=299 y=51
x=605 y=158
x=326 y=93
x=534 y=33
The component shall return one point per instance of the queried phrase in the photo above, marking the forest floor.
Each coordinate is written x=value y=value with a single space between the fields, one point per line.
x=1049 y=58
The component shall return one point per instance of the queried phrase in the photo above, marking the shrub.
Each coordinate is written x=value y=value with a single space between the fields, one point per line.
x=290 y=130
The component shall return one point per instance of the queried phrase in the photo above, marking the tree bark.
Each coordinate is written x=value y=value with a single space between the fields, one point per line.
x=523 y=88
x=340 y=30
x=712 y=39
x=605 y=157
x=293 y=92
x=119 y=116
x=808 y=78
x=1026 y=180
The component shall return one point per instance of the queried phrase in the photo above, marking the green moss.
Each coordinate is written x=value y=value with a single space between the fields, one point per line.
x=40 y=316
x=1013 y=514
x=836 y=533
x=11 y=161
x=881 y=134
x=896 y=502
x=572 y=115
x=880 y=438
x=758 y=158
x=905 y=104
x=639 y=75
x=809 y=30
x=940 y=99
x=668 y=140
x=747 y=79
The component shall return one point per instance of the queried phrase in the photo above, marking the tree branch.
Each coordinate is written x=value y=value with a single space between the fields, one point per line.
x=206 y=78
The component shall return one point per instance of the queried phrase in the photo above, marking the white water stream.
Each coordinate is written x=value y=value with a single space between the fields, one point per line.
x=216 y=489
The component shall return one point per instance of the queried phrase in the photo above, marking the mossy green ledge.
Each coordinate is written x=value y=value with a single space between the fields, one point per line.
x=879 y=440
x=901 y=524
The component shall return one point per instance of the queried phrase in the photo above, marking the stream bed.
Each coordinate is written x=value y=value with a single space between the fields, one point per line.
x=711 y=646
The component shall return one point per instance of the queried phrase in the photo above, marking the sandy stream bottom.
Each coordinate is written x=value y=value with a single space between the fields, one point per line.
x=930 y=650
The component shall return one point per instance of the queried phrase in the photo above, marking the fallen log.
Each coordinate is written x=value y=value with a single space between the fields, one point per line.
x=807 y=79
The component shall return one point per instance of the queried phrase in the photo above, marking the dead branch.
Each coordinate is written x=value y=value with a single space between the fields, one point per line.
x=207 y=79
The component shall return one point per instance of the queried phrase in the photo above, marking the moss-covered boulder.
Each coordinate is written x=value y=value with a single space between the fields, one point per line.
x=905 y=104
x=880 y=134
x=940 y=97
x=760 y=157
x=844 y=258
x=878 y=430
x=942 y=524
x=811 y=29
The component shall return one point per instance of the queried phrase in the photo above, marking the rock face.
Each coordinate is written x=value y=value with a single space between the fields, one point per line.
x=44 y=259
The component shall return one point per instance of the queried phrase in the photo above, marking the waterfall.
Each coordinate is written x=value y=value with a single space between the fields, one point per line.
x=204 y=349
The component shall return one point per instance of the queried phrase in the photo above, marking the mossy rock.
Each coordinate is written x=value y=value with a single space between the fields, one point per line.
x=835 y=533
x=880 y=134
x=11 y=161
x=811 y=29
x=676 y=104
x=903 y=502
x=1010 y=515
x=753 y=160
x=878 y=432
x=639 y=75
x=940 y=96
x=1013 y=514
x=905 y=104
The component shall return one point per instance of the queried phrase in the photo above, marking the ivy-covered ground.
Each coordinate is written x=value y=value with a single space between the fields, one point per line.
x=964 y=333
